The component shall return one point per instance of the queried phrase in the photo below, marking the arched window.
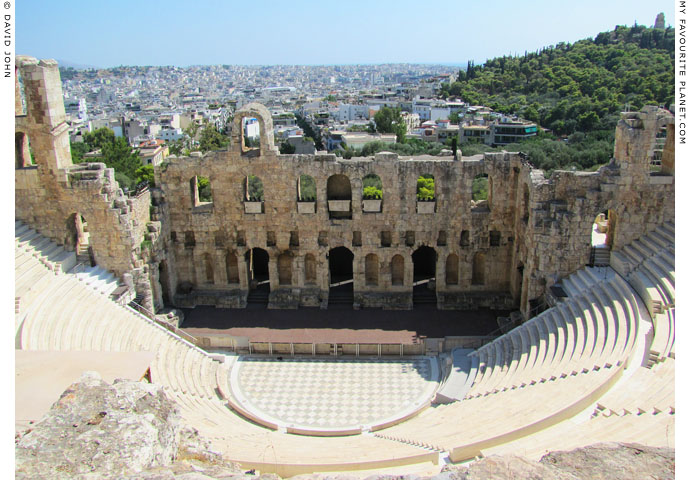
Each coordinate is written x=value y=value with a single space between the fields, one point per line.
x=398 y=270
x=253 y=194
x=208 y=267
x=481 y=191
x=371 y=269
x=478 y=269
x=309 y=269
x=339 y=193
x=306 y=189
x=285 y=269
x=201 y=191
x=372 y=193
x=452 y=269
x=253 y=189
x=426 y=188
x=231 y=268
x=251 y=134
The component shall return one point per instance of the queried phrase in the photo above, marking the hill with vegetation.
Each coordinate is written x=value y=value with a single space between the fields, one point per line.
x=576 y=87
x=575 y=92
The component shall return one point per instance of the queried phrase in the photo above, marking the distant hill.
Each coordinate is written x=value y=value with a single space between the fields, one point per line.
x=577 y=87
x=76 y=66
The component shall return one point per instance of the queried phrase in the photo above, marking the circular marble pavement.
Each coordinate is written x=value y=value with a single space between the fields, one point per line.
x=324 y=394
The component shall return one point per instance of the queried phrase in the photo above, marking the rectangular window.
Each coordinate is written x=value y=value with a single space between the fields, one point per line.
x=494 y=238
x=386 y=239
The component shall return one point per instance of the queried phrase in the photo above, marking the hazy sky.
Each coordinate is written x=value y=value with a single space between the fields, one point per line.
x=174 y=32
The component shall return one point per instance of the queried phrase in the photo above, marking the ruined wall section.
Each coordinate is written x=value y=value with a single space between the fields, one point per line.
x=49 y=194
x=557 y=234
x=201 y=232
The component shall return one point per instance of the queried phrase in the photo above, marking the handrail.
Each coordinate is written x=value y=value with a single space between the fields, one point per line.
x=78 y=268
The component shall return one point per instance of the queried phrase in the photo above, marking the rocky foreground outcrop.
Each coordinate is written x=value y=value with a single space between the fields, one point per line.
x=132 y=430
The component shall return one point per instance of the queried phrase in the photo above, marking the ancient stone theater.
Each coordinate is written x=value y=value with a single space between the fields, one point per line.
x=590 y=356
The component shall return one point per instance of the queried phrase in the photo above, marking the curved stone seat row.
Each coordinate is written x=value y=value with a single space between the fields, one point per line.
x=648 y=390
x=648 y=264
x=69 y=312
x=595 y=327
x=638 y=409
x=656 y=430
x=466 y=428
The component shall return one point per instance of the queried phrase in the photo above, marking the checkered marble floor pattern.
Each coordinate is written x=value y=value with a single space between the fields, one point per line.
x=332 y=393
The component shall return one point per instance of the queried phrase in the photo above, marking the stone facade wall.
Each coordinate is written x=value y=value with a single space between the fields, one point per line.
x=530 y=232
x=223 y=227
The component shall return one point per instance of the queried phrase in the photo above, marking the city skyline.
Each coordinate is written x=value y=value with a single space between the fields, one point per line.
x=309 y=33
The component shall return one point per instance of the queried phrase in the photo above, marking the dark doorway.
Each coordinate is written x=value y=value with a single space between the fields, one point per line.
x=424 y=290
x=341 y=278
x=258 y=278
x=257 y=266
x=424 y=260
x=164 y=281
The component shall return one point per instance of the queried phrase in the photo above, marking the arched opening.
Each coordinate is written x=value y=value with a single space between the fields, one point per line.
x=372 y=193
x=309 y=269
x=22 y=151
x=603 y=232
x=478 y=269
x=80 y=239
x=251 y=135
x=424 y=260
x=339 y=193
x=164 y=281
x=285 y=269
x=481 y=191
x=371 y=269
x=253 y=194
x=341 y=278
x=452 y=269
x=200 y=190
x=424 y=275
x=253 y=189
x=257 y=269
x=208 y=268
x=231 y=268
x=426 y=193
x=306 y=189
x=398 y=270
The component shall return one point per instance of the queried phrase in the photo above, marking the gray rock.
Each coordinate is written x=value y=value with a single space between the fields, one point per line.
x=127 y=430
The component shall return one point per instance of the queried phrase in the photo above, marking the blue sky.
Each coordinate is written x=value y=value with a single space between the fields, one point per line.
x=172 y=32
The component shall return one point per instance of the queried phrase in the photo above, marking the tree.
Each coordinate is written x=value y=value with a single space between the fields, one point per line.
x=78 y=150
x=287 y=148
x=115 y=153
x=121 y=157
x=384 y=119
x=400 y=129
x=212 y=139
x=145 y=174
x=98 y=138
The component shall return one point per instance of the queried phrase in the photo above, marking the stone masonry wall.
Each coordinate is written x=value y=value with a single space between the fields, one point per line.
x=51 y=192
x=541 y=228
